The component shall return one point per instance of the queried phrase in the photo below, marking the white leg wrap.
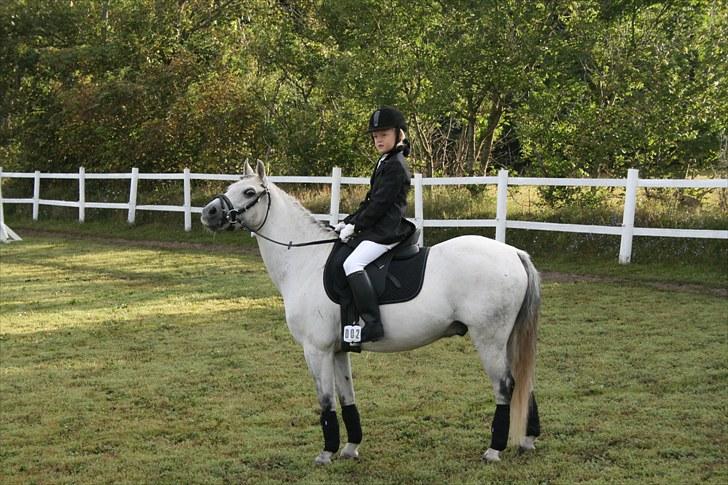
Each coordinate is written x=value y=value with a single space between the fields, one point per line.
x=491 y=455
x=350 y=452
x=324 y=458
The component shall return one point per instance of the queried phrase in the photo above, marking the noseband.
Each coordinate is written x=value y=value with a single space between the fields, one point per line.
x=232 y=216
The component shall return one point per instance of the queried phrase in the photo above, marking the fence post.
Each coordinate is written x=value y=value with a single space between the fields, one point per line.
x=501 y=208
x=419 y=209
x=3 y=233
x=36 y=194
x=133 y=195
x=335 y=196
x=81 y=194
x=188 y=201
x=630 y=203
x=6 y=234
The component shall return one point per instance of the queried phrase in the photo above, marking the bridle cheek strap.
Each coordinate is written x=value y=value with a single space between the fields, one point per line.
x=232 y=215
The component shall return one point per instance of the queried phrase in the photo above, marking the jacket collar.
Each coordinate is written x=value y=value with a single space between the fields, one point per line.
x=386 y=158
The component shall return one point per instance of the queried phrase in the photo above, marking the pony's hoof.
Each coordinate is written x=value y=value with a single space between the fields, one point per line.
x=324 y=458
x=491 y=456
x=527 y=444
x=350 y=452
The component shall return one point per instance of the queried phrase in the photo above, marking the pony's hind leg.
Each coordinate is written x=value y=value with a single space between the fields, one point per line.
x=533 y=427
x=321 y=365
x=495 y=362
x=345 y=391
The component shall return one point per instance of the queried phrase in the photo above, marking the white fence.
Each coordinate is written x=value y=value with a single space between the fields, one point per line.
x=626 y=230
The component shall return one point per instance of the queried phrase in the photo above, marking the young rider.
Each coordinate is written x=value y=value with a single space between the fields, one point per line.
x=379 y=223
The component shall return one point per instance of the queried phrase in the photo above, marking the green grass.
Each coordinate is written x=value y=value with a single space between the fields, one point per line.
x=138 y=363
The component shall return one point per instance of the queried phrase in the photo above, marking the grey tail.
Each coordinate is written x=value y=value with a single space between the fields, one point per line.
x=522 y=351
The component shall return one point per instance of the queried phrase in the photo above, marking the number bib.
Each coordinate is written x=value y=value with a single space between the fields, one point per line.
x=352 y=334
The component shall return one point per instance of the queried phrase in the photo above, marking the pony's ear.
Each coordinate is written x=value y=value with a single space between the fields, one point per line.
x=248 y=169
x=261 y=170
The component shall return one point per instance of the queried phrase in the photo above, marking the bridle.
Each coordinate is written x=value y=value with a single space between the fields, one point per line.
x=233 y=216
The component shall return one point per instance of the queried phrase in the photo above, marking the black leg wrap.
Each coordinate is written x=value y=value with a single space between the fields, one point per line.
x=330 y=427
x=352 y=423
x=499 y=429
x=533 y=428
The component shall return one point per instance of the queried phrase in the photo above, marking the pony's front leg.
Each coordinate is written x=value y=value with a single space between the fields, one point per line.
x=345 y=390
x=321 y=365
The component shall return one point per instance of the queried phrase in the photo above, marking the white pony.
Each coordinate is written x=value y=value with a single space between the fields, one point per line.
x=471 y=281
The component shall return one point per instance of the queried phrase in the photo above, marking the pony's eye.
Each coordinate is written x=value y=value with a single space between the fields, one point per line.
x=249 y=193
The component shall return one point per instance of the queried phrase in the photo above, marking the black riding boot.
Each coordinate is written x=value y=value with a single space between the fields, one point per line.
x=367 y=304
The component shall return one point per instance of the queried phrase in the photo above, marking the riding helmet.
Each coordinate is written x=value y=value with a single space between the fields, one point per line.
x=386 y=117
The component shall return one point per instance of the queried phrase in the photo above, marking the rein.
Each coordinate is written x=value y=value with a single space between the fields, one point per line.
x=233 y=216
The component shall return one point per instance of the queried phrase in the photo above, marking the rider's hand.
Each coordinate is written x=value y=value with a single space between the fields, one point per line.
x=338 y=227
x=346 y=232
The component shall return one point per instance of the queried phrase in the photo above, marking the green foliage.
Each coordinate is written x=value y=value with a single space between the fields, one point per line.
x=546 y=88
x=649 y=95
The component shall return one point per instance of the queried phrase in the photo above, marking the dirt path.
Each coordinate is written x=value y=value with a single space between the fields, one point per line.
x=556 y=277
x=117 y=241
x=546 y=276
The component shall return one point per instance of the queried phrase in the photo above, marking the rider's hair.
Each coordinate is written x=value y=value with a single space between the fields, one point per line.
x=403 y=144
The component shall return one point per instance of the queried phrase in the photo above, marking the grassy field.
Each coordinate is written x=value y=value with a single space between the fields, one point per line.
x=133 y=362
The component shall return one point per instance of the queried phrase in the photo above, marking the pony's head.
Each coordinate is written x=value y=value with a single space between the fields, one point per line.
x=245 y=204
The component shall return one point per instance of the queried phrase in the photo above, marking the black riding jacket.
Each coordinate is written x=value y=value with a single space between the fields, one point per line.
x=381 y=216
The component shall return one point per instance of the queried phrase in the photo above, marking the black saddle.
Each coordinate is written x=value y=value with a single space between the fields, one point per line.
x=396 y=276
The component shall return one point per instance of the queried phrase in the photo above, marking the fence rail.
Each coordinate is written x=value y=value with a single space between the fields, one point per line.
x=501 y=223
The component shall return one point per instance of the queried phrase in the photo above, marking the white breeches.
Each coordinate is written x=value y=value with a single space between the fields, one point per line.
x=365 y=253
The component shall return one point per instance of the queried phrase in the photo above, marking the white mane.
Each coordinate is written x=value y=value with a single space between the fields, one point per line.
x=323 y=227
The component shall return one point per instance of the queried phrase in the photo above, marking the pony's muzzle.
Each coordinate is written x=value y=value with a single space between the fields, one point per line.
x=213 y=217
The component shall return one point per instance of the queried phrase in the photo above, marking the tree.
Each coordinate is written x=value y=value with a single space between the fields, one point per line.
x=556 y=88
